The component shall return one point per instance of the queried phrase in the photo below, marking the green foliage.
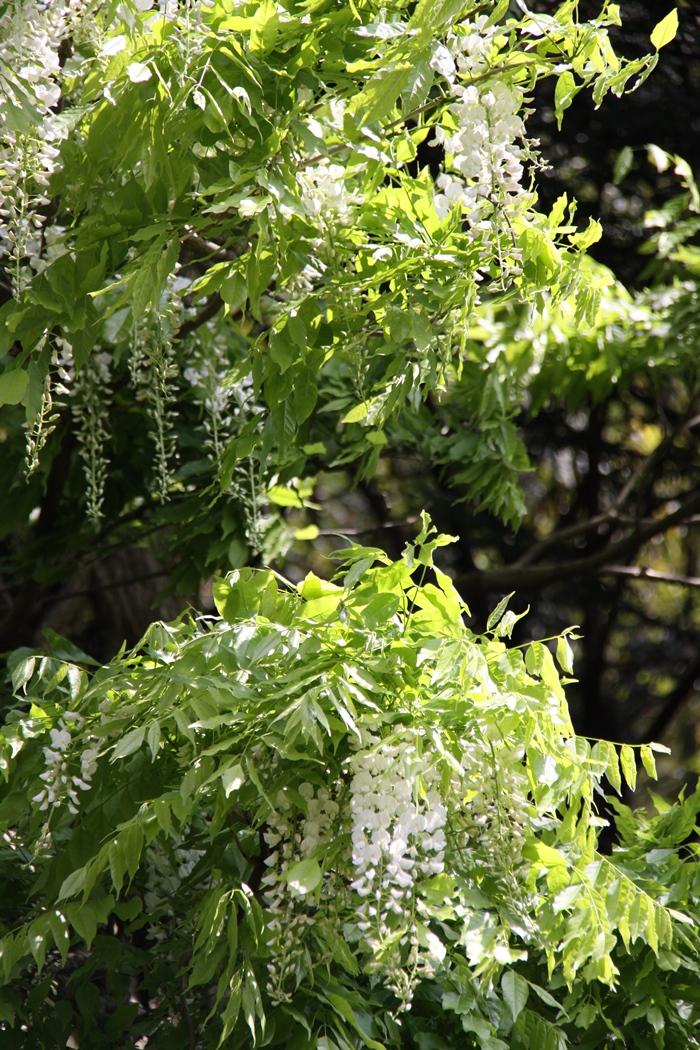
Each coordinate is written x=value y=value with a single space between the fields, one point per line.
x=212 y=854
x=245 y=245
x=244 y=230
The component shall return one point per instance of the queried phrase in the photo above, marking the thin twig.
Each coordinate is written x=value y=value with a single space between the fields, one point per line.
x=611 y=516
x=342 y=531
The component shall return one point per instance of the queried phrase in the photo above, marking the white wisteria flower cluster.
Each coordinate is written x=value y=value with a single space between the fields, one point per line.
x=486 y=147
x=324 y=194
x=31 y=35
x=396 y=818
x=398 y=830
x=290 y=840
x=59 y=783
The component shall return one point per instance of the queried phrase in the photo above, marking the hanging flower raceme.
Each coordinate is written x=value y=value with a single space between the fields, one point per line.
x=484 y=141
x=396 y=820
x=91 y=404
x=398 y=834
x=31 y=37
x=291 y=840
x=61 y=785
x=324 y=193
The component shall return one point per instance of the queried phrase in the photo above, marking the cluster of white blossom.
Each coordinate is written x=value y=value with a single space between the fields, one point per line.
x=398 y=836
x=491 y=825
x=31 y=35
x=468 y=51
x=324 y=193
x=398 y=819
x=302 y=283
x=486 y=148
x=59 y=783
x=207 y=375
x=292 y=838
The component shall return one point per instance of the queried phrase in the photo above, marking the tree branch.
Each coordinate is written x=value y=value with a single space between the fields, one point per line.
x=211 y=309
x=639 y=572
x=612 y=515
x=522 y=578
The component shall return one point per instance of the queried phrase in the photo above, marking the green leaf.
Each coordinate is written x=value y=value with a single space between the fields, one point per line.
x=153 y=737
x=131 y=840
x=547 y=855
x=37 y=939
x=564 y=94
x=13 y=385
x=232 y=779
x=380 y=609
x=72 y=885
x=243 y=593
x=284 y=496
x=308 y=532
x=232 y=1009
x=591 y=235
x=515 y=991
x=129 y=743
x=665 y=30
x=59 y=929
x=304 y=876
x=565 y=657
x=623 y=164
x=358 y=413
x=605 y=752
x=629 y=765
x=117 y=865
x=645 y=753
x=83 y=919
x=312 y=586
x=498 y=611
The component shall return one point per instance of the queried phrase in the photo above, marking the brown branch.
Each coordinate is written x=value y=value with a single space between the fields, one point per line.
x=341 y=530
x=611 y=516
x=639 y=572
x=196 y=248
x=211 y=309
x=513 y=577
x=85 y=592
x=570 y=532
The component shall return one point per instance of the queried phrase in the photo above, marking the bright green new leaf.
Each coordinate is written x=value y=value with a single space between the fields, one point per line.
x=665 y=30
x=629 y=765
x=564 y=94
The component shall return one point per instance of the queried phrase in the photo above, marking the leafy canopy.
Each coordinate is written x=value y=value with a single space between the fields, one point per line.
x=335 y=817
x=245 y=242
x=332 y=816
